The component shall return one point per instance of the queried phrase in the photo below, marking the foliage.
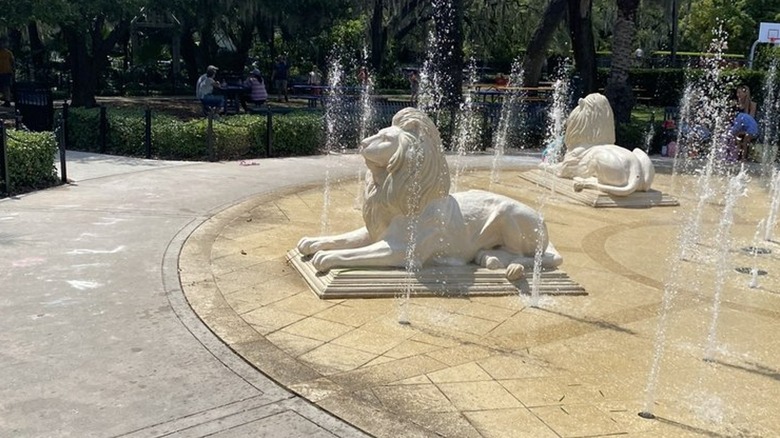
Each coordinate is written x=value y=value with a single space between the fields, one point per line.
x=663 y=85
x=235 y=137
x=631 y=135
x=740 y=19
x=297 y=134
x=30 y=160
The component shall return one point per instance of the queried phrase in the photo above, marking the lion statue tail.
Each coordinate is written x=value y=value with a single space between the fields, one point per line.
x=647 y=170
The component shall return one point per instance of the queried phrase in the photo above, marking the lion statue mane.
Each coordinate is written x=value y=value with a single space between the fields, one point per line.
x=408 y=189
x=592 y=159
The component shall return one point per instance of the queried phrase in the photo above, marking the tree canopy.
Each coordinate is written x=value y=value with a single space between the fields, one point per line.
x=394 y=33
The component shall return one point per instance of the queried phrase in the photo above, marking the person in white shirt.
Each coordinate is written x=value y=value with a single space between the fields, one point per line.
x=204 y=90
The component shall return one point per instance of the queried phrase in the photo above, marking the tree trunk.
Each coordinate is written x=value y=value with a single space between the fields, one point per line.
x=189 y=55
x=618 y=89
x=378 y=35
x=37 y=52
x=82 y=70
x=581 y=33
x=88 y=54
x=245 y=40
x=448 y=56
x=536 y=52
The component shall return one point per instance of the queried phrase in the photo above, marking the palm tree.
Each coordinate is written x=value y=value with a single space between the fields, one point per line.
x=618 y=88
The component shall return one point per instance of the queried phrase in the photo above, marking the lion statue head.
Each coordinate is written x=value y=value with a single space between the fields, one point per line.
x=590 y=123
x=408 y=169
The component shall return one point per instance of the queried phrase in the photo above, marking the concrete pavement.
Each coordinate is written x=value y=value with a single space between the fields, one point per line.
x=97 y=338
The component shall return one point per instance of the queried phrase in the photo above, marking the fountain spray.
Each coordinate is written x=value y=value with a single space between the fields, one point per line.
x=774 y=194
x=510 y=109
x=555 y=147
x=737 y=188
x=332 y=114
x=469 y=129
x=769 y=123
x=754 y=252
x=366 y=122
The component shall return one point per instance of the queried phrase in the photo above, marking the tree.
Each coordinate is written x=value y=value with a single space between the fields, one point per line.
x=739 y=18
x=393 y=20
x=618 y=89
x=536 y=53
x=583 y=45
x=90 y=30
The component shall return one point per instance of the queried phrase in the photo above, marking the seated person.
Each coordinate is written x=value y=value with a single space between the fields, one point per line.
x=745 y=103
x=204 y=90
x=743 y=131
x=256 y=90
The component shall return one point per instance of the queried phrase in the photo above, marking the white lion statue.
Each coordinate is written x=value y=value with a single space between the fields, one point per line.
x=592 y=159
x=409 y=189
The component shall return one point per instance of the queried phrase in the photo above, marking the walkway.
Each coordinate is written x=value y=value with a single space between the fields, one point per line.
x=97 y=339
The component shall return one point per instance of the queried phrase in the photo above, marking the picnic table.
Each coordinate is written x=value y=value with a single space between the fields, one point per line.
x=232 y=95
x=314 y=94
x=496 y=94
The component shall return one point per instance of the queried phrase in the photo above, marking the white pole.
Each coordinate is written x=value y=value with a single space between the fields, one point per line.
x=752 y=53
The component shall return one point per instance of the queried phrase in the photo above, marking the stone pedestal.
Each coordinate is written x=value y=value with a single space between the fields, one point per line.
x=469 y=280
x=595 y=198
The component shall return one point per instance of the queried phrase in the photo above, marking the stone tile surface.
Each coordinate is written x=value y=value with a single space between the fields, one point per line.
x=495 y=366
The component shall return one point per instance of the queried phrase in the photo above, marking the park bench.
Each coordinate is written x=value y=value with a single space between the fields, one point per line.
x=35 y=105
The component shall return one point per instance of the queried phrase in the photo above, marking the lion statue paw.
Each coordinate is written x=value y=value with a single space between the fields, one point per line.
x=491 y=262
x=515 y=271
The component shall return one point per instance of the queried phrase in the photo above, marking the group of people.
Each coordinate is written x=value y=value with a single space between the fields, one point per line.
x=744 y=128
x=211 y=93
x=209 y=90
x=742 y=132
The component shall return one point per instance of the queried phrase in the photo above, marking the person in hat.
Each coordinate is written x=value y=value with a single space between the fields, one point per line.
x=204 y=90
x=256 y=89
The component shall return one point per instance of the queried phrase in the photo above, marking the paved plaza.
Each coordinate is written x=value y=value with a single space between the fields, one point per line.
x=154 y=299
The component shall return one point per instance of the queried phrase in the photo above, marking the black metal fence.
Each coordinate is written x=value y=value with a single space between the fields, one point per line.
x=34 y=105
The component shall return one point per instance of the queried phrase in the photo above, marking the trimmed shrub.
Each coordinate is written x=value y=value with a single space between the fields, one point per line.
x=631 y=135
x=297 y=134
x=30 y=160
x=83 y=129
x=235 y=137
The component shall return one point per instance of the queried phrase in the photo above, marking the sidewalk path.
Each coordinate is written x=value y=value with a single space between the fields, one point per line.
x=97 y=339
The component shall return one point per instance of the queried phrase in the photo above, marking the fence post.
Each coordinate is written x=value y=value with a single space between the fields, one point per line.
x=4 y=161
x=103 y=129
x=17 y=121
x=210 y=136
x=148 y=132
x=269 y=130
x=63 y=144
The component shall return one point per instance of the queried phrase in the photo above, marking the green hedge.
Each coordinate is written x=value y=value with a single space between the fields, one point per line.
x=664 y=86
x=235 y=137
x=30 y=161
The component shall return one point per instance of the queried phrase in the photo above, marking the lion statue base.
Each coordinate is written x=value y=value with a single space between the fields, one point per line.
x=592 y=159
x=408 y=205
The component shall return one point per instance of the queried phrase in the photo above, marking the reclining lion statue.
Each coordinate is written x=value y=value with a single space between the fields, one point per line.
x=592 y=159
x=409 y=190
